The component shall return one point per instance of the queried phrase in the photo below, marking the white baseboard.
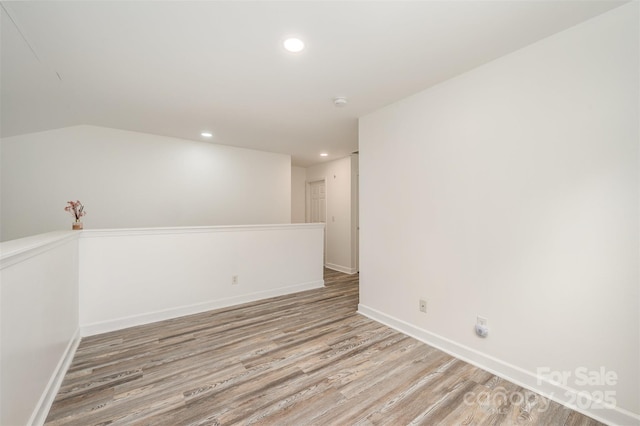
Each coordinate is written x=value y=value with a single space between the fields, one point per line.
x=529 y=380
x=179 y=311
x=40 y=412
x=340 y=268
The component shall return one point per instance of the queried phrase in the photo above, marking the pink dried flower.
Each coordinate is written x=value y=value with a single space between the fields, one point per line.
x=76 y=209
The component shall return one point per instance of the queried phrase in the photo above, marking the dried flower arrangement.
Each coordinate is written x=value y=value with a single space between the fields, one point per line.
x=76 y=209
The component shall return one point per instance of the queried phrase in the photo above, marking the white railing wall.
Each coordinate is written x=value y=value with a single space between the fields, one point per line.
x=39 y=328
x=136 y=276
x=56 y=287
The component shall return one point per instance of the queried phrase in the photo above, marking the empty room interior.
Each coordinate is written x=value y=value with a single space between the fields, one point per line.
x=320 y=212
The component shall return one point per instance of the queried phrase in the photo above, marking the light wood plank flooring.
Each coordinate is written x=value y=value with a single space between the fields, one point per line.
x=301 y=359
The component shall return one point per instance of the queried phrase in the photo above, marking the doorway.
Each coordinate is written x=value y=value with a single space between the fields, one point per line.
x=316 y=211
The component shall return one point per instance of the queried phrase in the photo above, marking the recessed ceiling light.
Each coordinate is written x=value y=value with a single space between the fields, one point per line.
x=293 y=44
x=206 y=134
x=324 y=154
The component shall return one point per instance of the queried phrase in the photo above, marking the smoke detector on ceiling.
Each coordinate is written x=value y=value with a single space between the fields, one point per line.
x=340 y=101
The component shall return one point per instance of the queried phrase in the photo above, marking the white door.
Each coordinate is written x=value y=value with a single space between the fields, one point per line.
x=317 y=202
x=317 y=207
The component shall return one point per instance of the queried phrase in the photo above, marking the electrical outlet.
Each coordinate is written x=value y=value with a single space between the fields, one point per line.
x=482 y=327
x=234 y=280
x=423 y=306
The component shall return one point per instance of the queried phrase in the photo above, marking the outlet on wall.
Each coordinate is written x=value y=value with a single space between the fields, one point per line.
x=482 y=328
x=423 y=305
x=234 y=280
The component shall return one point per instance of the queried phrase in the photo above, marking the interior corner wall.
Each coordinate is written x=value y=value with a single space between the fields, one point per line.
x=512 y=192
x=337 y=175
x=298 y=191
x=128 y=180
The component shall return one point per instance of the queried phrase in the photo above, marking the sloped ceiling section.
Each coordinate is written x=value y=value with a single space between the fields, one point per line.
x=178 y=68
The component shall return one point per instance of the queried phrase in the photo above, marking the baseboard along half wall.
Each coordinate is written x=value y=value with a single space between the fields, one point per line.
x=179 y=311
x=43 y=406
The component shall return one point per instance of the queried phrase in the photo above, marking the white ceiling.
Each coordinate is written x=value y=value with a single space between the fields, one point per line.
x=176 y=68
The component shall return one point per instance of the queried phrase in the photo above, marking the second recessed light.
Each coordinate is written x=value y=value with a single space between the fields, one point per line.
x=293 y=45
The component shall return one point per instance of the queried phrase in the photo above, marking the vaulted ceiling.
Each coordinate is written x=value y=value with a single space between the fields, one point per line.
x=177 y=68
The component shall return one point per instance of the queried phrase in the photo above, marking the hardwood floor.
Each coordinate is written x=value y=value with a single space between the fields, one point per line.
x=300 y=359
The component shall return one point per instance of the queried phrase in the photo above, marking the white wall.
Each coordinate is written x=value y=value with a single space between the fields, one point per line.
x=39 y=323
x=338 y=175
x=298 y=190
x=128 y=179
x=131 y=277
x=512 y=192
